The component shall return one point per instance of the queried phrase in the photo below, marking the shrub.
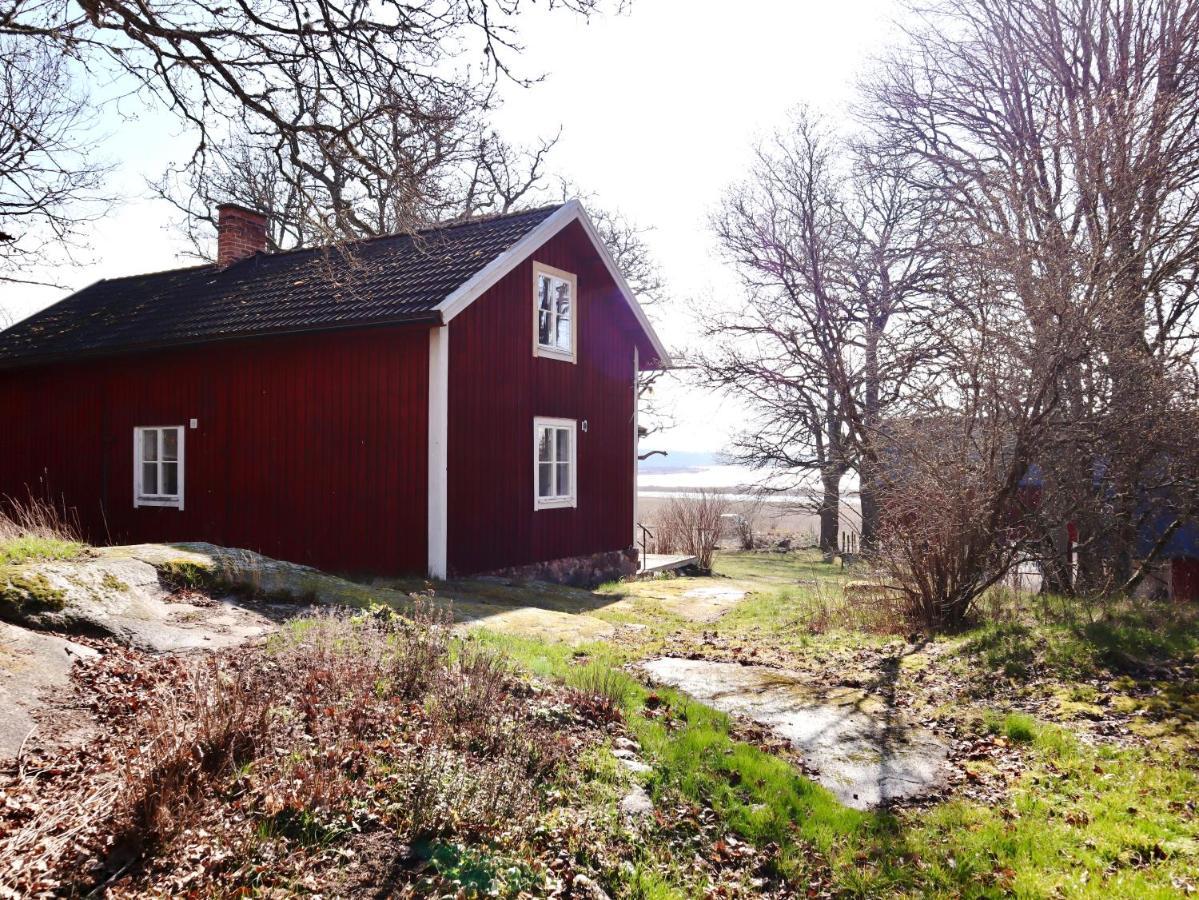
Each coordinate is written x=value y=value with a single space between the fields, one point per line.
x=692 y=525
x=951 y=525
x=342 y=724
x=467 y=698
x=745 y=522
x=205 y=728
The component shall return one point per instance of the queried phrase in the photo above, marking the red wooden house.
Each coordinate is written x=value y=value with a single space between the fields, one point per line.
x=454 y=401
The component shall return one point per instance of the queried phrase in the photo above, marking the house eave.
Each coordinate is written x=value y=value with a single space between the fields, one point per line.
x=572 y=211
x=431 y=318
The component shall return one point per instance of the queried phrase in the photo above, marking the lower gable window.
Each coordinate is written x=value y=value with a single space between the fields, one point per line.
x=158 y=466
x=554 y=461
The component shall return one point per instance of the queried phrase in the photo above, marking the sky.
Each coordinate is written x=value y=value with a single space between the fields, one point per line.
x=659 y=108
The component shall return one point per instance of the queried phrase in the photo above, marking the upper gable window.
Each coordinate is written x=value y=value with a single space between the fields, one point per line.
x=158 y=466
x=555 y=312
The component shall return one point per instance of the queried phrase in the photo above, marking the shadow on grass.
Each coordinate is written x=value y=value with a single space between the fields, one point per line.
x=1139 y=640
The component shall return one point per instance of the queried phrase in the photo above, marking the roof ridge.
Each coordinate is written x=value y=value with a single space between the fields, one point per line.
x=438 y=227
x=194 y=268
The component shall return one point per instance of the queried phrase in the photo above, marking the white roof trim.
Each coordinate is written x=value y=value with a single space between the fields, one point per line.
x=472 y=289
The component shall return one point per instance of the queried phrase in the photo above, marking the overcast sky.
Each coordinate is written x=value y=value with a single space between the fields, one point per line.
x=659 y=108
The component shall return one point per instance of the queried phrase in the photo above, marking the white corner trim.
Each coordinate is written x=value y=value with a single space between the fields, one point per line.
x=571 y=211
x=439 y=426
x=636 y=442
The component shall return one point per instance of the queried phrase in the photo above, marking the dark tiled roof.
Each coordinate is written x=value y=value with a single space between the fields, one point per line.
x=382 y=280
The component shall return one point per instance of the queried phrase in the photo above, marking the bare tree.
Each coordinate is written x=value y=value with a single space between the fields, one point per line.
x=836 y=262
x=418 y=177
x=779 y=350
x=1061 y=138
x=359 y=119
x=892 y=266
x=49 y=184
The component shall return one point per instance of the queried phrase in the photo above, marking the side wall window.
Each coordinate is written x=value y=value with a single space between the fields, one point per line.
x=158 y=466
x=554 y=462
x=555 y=313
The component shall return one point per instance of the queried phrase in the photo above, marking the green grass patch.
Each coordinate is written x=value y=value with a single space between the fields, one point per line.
x=1121 y=639
x=178 y=574
x=757 y=795
x=765 y=567
x=29 y=548
x=1014 y=726
x=1079 y=821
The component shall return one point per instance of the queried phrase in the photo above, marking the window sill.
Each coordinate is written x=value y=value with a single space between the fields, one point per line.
x=558 y=503
x=158 y=501
x=553 y=353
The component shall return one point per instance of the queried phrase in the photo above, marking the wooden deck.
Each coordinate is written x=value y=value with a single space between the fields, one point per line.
x=661 y=562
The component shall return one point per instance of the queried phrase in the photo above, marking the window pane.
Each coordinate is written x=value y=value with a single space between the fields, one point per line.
x=149 y=478
x=170 y=478
x=562 y=297
x=170 y=444
x=544 y=448
x=563 y=442
x=149 y=444
x=545 y=479
x=562 y=341
x=563 y=479
x=544 y=321
x=543 y=292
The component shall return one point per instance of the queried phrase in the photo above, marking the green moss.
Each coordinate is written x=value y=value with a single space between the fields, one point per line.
x=110 y=582
x=26 y=548
x=22 y=593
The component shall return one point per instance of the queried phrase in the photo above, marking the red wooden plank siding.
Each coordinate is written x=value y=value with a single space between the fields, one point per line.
x=496 y=388
x=309 y=448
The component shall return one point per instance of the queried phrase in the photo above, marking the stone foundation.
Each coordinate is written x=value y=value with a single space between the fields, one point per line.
x=578 y=571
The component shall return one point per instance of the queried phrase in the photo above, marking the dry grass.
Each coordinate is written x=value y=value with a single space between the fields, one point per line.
x=37 y=529
x=376 y=723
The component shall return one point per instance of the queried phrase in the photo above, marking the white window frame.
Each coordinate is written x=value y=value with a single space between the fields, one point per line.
x=553 y=352
x=140 y=498
x=556 y=502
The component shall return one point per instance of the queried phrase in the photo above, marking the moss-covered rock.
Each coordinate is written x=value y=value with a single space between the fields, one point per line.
x=24 y=592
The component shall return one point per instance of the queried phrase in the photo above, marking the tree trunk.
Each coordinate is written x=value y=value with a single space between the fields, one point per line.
x=867 y=473
x=830 y=512
x=1057 y=576
x=871 y=509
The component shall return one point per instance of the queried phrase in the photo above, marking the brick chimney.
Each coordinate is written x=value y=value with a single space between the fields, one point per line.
x=241 y=232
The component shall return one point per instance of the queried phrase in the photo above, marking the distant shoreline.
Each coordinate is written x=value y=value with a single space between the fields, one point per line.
x=740 y=492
